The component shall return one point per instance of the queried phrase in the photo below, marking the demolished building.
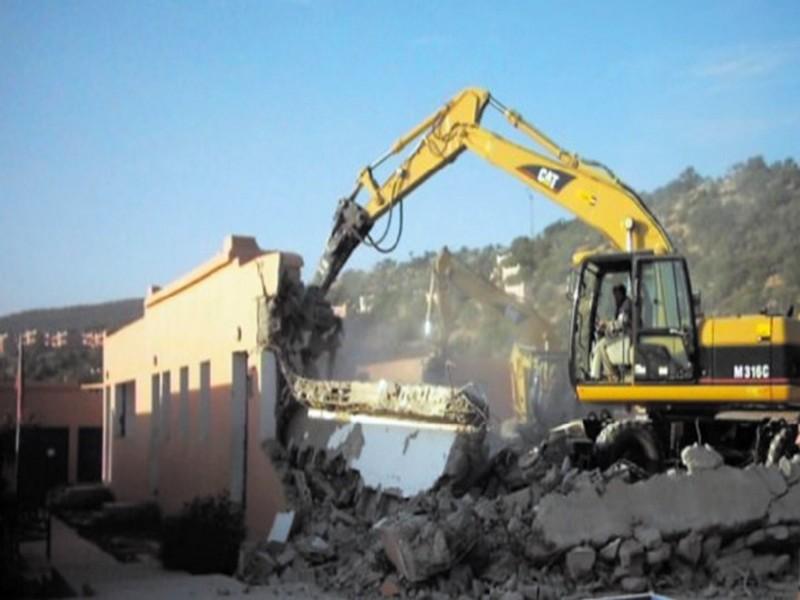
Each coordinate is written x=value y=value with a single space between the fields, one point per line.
x=198 y=389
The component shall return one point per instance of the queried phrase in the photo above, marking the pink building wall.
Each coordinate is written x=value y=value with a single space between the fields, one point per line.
x=216 y=441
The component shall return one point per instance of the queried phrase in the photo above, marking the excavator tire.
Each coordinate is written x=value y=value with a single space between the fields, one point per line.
x=629 y=439
x=782 y=444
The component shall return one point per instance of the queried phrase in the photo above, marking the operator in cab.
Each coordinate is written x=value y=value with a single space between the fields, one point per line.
x=614 y=346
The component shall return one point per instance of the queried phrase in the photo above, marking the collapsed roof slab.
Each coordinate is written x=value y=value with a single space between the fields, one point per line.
x=420 y=402
x=401 y=438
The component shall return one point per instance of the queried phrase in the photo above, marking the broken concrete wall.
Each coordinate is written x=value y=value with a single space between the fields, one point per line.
x=674 y=503
x=401 y=455
x=403 y=438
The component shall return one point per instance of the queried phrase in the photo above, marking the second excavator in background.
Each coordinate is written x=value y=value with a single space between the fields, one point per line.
x=537 y=366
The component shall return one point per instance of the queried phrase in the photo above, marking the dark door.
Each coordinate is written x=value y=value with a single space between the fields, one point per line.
x=44 y=460
x=90 y=443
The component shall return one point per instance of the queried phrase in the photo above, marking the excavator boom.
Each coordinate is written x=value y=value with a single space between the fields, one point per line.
x=586 y=188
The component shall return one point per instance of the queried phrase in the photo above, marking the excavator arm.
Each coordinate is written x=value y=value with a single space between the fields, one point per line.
x=587 y=189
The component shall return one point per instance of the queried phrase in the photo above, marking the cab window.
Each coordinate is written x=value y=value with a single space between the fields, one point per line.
x=666 y=336
x=664 y=296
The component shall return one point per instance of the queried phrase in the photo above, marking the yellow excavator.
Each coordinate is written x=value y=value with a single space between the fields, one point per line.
x=537 y=365
x=733 y=382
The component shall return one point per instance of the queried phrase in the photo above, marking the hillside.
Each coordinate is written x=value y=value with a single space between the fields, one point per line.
x=738 y=232
x=107 y=315
x=72 y=363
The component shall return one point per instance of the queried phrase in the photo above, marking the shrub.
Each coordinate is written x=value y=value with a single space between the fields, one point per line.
x=204 y=537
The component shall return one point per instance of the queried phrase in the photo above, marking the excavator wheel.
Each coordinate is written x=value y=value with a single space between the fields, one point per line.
x=782 y=444
x=632 y=440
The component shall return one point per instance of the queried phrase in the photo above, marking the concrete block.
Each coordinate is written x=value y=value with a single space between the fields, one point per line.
x=649 y=537
x=286 y=557
x=690 y=548
x=724 y=498
x=659 y=555
x=390 y=587
x=631 y=557
x=580 y=562
x=735 y=560
x=790 y=468
x=419 y=547
x=258 y=567
x=609 y=552
x=777 y=534
x=633 y=585
x=514 y=526
x=767 y=565
x=517 y=502
x=698 y=458
x=315 y=549
x=281 y=527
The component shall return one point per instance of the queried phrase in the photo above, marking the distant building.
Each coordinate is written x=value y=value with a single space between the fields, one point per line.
x=5 y=344
x=190 y=392
x=30 y=337
x=93 y=339
x=58 y=339
x=518 y=290
x=508 y=274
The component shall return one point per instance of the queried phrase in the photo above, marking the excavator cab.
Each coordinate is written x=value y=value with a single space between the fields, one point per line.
x=658 y=342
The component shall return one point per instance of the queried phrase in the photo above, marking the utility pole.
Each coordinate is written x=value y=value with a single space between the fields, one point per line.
x=530 y=203
x=20 y=390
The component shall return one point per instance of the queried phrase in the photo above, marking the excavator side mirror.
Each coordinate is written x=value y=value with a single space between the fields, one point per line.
x=697 y=305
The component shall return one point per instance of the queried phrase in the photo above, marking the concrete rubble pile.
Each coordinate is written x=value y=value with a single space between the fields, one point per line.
x=532 y=526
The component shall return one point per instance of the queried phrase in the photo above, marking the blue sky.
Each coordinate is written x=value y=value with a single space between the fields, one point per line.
x=135 y=136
